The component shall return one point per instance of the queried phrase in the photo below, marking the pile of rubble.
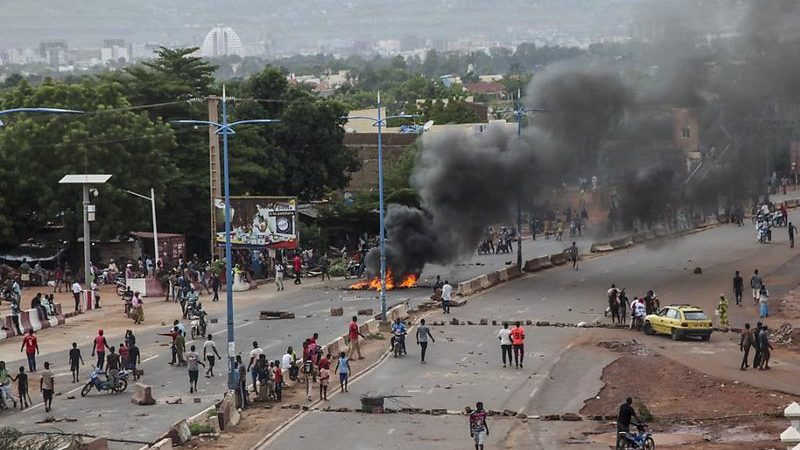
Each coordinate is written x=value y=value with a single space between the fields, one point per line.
x=786 y=336
x=632 y=347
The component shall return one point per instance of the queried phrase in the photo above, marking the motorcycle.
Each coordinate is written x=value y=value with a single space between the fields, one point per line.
x=354 y=269
x=100 y=385
x=641 y=440
x=398 y=344
x=197 y=322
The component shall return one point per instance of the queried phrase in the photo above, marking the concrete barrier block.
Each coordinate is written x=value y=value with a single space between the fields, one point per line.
x=180 y=434
x=513 y=272
x=142 y=395
x=227 y=413
x=493 y=277
x=558 y=259
x=621 y=243
x=464 y=288
x=639 y=237
x=365 y=312
x=94 y=444
x=484 y=282
x=503 y=274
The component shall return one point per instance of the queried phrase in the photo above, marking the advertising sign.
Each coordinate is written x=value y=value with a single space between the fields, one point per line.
x=266 y=222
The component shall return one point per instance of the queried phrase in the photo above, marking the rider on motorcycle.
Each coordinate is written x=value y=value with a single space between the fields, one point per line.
x=399 y=332
x=638 y=313
x=626 y=412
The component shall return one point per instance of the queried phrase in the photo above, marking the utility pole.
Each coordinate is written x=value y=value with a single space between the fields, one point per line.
x=215 y=184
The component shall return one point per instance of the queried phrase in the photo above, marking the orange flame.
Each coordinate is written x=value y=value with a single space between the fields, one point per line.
x=374 y=284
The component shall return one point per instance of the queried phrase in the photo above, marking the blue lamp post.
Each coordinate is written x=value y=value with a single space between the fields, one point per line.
x=225 y=129
x=519 y=112
x=381 y=122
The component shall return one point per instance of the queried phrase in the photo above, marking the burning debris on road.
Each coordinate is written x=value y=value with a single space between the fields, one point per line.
x=374 y=284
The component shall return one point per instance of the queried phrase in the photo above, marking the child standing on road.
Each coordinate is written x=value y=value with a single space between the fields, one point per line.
x=343 y=368
x=75 y=358
x=324 y=378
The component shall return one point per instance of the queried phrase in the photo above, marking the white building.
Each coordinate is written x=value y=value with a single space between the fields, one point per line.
x=221 y=41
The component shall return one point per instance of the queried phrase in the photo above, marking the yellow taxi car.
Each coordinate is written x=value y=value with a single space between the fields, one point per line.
x=679 y=321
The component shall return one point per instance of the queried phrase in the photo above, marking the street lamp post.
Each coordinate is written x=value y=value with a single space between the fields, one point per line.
x=225 y=129
x=152 y=200
x=519 y=112
x=38 y=111
x=380 y=123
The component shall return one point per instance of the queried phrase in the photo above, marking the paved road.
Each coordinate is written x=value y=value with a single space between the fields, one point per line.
x=563 y=366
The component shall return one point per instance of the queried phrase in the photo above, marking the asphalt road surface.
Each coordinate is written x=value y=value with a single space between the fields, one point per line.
x=563 y=365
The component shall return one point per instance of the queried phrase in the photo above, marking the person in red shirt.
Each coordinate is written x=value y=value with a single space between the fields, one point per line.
x=354 y=334
x=517 y=342
x=31 y=347
x=298 y=268
x=278 y=376
x=99 y=346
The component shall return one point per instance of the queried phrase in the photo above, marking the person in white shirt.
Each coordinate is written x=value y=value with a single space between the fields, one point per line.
x=251 y=366
x=76 y=294
x=504 y=335
x=209 y=352
x=279 y=269
x=447 y=292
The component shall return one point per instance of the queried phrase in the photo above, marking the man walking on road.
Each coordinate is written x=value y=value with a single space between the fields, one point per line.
x=766 y=347
x=209 y=352
x=792 y=230
x=755 y=285
x=517 y=341
x=757 y=345
x=298 y=268
x=192 y=363
x=354 y=334
x=279 y=269
x=745 y=343
x=423 y=333
x=738 y=288
x=31 y=347
x=573 y=255
x=504 y=335
x=99 y=347
x=478 y=428
x=47 y=386
x=75 y=359
x=447 y=293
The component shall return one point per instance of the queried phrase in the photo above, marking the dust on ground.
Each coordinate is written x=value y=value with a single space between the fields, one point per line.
x=683 y=401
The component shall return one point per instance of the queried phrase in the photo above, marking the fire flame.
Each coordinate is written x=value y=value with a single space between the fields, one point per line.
x=374 y=284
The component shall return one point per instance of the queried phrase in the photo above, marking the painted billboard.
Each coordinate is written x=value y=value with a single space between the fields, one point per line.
x=266 y=222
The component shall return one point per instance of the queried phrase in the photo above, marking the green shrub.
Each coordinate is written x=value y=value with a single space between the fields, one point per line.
x=199 y=428
x=338 y=268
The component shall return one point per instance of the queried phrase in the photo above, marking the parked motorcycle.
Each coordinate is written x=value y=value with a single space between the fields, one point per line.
x=354 y=269
x=641 y=440
x=100 y=384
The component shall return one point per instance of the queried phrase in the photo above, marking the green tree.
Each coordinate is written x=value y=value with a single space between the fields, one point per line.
x=36 y=151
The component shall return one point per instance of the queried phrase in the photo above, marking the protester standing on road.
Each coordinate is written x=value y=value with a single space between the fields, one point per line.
x=622 y=299
x=31 y=347
x=22 y=389
x=478 y=428
x=722 y=309
x=112 y=365
x=99 y=346
x=5 y=386
x=298 y=268
x=766 y=347
x=763 y=302
x=324 y=380
x=613 y=303
x=447 y=293
x=134 y=358
x=343 y=369
x=279 y=270
x=738 y=288
x=517 y=341
x=241 y=370
x=792 y=230
x=755 y=285
x=573 y=255
x=354 y=334
x=209 y=353
x=745 y=343
x=47 y=386
x=75 y=359
x=423 y=333
x=76 y=295
x=251 y=365
x=192 y=362
x=504 y=335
